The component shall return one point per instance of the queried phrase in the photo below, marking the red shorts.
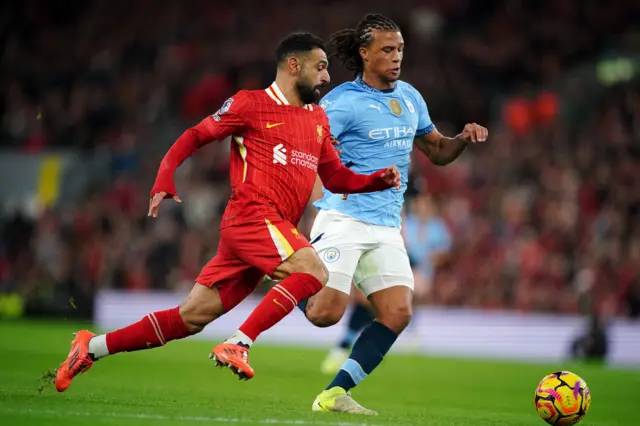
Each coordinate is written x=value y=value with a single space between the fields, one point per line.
x=245 y=254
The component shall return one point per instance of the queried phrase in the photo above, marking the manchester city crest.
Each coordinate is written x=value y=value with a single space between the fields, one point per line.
x=331 y=254
x=412 y=110
x=395 y=107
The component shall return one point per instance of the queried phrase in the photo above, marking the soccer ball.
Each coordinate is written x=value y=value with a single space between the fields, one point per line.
x=562 y=398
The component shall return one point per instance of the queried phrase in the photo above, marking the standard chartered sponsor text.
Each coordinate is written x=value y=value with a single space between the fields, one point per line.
x=303 y=159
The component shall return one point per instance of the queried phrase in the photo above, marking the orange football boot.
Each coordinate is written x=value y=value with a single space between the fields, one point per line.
x=77 y=362
x=236 y=357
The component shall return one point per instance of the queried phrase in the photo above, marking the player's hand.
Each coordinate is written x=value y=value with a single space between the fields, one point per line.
x=391 y=176
x=335 y=142
x=473 y=132
x=154 y=202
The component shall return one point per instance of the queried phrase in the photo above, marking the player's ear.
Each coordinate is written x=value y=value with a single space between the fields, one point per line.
x=364 y=53
x=294 y=65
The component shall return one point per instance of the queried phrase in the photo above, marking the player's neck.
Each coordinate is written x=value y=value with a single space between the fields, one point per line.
x=376 y=82
x=289 y=90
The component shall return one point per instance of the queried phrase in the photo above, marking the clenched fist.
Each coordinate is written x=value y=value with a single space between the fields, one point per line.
x=391 y=176
x=473 y=132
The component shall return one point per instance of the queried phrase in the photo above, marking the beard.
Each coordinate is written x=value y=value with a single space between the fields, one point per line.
x=308 y=94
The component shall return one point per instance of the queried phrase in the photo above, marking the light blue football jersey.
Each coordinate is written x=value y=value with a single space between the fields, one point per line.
x=376 y=130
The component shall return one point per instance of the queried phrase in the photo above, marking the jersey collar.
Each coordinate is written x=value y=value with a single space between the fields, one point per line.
x=372 y=89
x=276 y=94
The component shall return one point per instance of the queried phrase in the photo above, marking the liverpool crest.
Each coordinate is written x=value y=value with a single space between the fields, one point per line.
x=296 y=233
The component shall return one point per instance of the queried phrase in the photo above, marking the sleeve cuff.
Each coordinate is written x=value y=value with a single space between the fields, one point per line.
x=430 y=128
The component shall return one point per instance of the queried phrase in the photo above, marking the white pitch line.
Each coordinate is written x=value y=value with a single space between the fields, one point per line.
x=180 y=418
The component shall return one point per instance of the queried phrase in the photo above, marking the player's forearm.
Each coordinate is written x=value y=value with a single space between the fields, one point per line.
x=443 y=151
x=183 y=148
x=341 y=180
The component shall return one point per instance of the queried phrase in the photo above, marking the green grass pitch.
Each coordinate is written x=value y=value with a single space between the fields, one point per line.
x=178 y=385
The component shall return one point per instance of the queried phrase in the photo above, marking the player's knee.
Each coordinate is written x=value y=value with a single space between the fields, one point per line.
x=316 y=268
x=396 y=317
x=327 y=307
x=323 y=316
x=321 y=273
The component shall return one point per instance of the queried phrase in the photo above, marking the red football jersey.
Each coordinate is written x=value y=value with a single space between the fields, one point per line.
x=277 y=151
x=275 y=154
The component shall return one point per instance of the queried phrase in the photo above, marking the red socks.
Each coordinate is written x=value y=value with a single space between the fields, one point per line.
x=156 y=329
x=279 y=302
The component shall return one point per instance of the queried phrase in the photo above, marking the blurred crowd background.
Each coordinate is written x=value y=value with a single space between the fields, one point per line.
x=543 y=217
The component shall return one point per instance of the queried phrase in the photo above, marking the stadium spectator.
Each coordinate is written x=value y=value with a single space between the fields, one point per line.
x=547 y=211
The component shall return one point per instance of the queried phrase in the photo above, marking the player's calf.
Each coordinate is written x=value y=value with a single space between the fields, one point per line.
x=156 y=329
x=203 y=305
x=302 y=275
x=393 y=313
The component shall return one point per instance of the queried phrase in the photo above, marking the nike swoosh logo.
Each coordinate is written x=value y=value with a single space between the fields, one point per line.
x=272 y=125
x=279 y=304
x=321 y=405
x=316 y=239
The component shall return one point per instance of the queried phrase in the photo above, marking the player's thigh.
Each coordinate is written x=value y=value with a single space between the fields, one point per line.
x=385 y=276
x=231 y=278
x=340 y=241
x=385 y=266
x=304 y=260
x=266 y=244
x=358 y=297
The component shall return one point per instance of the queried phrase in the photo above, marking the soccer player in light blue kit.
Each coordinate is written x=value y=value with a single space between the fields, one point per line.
x=428 y=241
x=377 y=119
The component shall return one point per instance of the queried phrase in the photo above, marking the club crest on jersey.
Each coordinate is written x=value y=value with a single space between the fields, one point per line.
x=296 y=233
x=319 y=130
x=331 y=255
x=395 y=107
x=412 y=110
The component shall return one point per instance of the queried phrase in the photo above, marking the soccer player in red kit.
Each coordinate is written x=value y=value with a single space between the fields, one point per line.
x=281 y=142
